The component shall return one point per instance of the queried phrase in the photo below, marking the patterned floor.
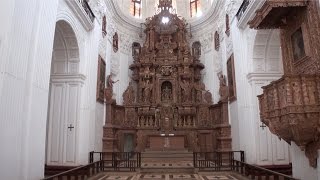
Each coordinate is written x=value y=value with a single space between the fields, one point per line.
x=180 y=164
x=166 y=177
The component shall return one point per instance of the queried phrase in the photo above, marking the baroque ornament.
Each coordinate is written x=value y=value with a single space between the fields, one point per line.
x=166 y=95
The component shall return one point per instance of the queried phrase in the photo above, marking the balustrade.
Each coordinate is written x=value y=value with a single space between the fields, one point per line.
x=185 y=121
x=148 y=122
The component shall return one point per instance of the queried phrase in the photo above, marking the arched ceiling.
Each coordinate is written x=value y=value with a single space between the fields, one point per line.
x=182 y=7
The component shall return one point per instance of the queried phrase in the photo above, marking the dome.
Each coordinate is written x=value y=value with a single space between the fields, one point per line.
x=142 y=9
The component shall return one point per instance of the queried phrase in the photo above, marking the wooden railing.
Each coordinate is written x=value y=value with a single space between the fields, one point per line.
x=216 y=161
x=258 y=172
x=82 y=172
x=87 y=9
x=117 y=161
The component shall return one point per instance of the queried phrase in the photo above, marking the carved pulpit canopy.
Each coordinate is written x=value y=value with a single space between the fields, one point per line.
x=273 y=13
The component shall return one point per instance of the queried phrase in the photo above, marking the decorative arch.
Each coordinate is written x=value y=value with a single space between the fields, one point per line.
x=136 y=50
x=196 y=49
x=64 y=98
x=166 y=91
x=266 y=56
x=65 y=55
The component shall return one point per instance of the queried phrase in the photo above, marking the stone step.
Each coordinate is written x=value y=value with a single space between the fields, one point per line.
x=167 y=155
x=168 y=170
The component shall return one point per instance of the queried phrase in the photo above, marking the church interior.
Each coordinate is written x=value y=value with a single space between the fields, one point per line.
x=160 y=89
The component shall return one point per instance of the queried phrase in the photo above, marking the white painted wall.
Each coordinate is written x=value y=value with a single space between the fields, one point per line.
x=26 y=48
x=300 y=165
x=26 y=43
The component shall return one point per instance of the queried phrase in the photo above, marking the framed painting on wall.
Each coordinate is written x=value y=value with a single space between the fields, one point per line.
x=231 y=79
x=298 y=49
x=101 y=79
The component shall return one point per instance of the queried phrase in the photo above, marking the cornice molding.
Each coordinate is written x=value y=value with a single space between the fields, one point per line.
x=252 y=77
x=249 y=13
x=70 y=78
x=81 y=14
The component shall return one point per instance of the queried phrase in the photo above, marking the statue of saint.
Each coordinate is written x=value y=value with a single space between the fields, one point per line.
x=223 y=90
x=128 y=95
x=166 y=93
x=199 y=88
x=110 y=82
x=147 y=90
x=186 y=91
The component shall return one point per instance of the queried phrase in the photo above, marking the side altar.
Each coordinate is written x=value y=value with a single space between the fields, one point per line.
x=166 y=105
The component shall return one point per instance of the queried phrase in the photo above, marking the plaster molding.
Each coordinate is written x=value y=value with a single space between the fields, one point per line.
x=99 y=9
x=115 y=64
x=206 y=41
x=76 y=7
x=254 y=77
x=75 y=78
x=249 y=13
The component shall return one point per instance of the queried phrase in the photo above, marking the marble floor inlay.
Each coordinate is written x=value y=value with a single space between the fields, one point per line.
x=166 y=176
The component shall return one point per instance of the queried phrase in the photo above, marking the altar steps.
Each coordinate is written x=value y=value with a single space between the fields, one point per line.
x=166 y=156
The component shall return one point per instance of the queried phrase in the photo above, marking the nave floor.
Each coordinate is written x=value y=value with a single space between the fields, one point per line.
x=168 y=176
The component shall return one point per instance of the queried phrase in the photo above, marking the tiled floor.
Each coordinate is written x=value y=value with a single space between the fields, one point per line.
x=163 y=176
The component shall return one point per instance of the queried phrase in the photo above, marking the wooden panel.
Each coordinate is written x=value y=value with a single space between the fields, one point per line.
x=166 y=142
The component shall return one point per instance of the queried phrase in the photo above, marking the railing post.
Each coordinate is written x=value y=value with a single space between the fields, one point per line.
x=91 y=157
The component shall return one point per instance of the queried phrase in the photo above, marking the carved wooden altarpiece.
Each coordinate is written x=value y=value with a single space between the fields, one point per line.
x=166 y=96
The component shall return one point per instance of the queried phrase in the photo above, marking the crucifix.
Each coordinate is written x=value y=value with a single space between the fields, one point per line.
x=263 y=126
x=70 y=127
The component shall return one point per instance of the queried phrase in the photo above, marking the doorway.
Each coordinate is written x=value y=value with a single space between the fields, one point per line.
x=64 y=99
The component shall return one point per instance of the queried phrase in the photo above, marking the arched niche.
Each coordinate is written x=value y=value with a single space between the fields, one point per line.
x=266 y=57
x=64 y=99
x=166 y=91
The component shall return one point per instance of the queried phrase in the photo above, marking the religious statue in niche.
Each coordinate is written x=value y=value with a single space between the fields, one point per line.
x=115 y=42
x=231 y=78
x=186 y=91
x=109 y=90
x=166 y=58
x=196 y=50
x=208 y=97
x=166 y=91
x=136 y=50
x=101 y=79
x=298 y=45
x=147 y=91
x=128 y=95
x=223 y=89
x=199 y=89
